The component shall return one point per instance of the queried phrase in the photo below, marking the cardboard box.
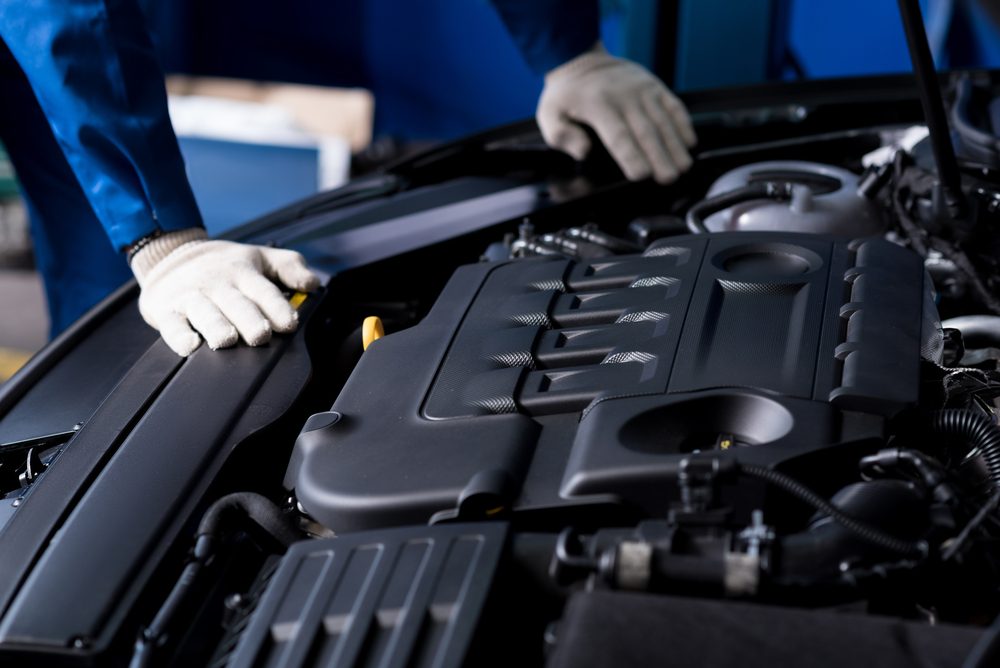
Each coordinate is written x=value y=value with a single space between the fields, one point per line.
x=340 y=112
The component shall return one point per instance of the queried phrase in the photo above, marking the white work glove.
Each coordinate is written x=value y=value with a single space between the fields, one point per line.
x=221 y=289
x=645 y=128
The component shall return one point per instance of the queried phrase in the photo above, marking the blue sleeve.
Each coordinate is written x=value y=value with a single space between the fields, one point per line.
x=550 y=32
x=91 y=66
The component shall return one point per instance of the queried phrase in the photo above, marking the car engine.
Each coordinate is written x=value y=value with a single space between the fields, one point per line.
x=543 y=416
x=755 y=401
x=742 y=348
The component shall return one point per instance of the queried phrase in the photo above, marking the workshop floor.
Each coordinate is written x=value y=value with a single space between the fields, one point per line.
x=23 y=321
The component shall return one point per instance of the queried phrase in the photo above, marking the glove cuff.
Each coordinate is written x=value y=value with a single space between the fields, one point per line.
x=586 y=61
x=160 y=247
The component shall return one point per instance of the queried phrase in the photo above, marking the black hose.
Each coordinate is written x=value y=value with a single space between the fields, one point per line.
x=263 y=512
x=978 y=430
x=697 y=214
x=931 y=472
x=978 y=331
x=153 y=636
x=862 y=530
x=224 y=514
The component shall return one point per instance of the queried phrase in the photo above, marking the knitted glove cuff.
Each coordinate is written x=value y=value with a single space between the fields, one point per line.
x=150 y=253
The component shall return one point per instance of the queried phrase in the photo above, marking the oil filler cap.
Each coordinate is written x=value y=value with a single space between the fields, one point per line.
x=371 y=330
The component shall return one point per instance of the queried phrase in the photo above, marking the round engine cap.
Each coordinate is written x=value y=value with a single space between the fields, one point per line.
x=825 y=200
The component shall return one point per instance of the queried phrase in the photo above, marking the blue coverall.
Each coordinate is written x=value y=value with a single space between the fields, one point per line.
x=83 y=115
x=550 y=32
x=84 y=118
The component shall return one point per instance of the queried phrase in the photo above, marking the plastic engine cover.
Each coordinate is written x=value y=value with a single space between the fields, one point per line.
x=550 y=382
x=826 y=201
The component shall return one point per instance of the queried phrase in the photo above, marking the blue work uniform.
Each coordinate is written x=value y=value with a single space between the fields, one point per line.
x=83 y=115
x=550 y=32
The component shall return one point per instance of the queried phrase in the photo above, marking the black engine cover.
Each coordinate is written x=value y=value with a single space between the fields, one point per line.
x=549 y=382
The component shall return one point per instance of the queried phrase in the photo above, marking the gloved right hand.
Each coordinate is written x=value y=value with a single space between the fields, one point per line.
x=645 y=128
x=219 y=289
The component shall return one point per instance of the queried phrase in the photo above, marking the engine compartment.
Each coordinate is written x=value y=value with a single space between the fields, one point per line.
x=648 y=422
x=768 y=415
x=749 y=396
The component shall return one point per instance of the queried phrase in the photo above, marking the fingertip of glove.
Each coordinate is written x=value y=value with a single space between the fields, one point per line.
x=286 y=325
x=637 y=172
x=309 y=284
x=257 y=337
x=186 y=345
x=666 y=179
x=298 y=277
x=226 y=339
x=577 y=152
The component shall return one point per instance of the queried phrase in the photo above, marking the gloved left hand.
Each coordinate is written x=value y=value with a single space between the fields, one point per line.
x=645 y=128
x=222 y=289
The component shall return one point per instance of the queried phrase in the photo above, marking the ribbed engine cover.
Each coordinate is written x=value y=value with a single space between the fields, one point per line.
x=549 y=382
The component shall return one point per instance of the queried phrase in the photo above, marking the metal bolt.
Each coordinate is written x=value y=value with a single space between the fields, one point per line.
x=234 y=602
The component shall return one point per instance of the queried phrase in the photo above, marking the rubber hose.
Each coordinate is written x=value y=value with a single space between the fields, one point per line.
x=697 y=214
x=259 y=509
x=978 y=331
x=216 y=520
x=862 y=530
x=978 y=430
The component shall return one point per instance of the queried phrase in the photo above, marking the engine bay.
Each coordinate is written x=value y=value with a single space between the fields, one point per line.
x=747 y=397
x=577 y=422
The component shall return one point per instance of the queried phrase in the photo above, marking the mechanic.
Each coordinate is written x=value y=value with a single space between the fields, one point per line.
x=645 y=128
x=84 y=119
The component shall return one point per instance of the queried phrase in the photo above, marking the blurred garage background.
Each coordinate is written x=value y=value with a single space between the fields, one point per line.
x=275 y=101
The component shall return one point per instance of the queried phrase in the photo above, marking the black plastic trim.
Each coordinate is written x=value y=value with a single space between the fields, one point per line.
x=396 y=598
x=50 y=499
x=82 y=589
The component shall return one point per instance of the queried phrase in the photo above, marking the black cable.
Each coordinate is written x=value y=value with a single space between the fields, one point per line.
x=862 y=530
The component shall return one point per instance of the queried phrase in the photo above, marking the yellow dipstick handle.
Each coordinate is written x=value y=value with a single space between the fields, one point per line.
x=371 y=330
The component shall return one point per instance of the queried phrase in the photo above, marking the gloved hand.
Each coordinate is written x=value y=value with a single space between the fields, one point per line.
x=643 y=125
x=219 y=288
